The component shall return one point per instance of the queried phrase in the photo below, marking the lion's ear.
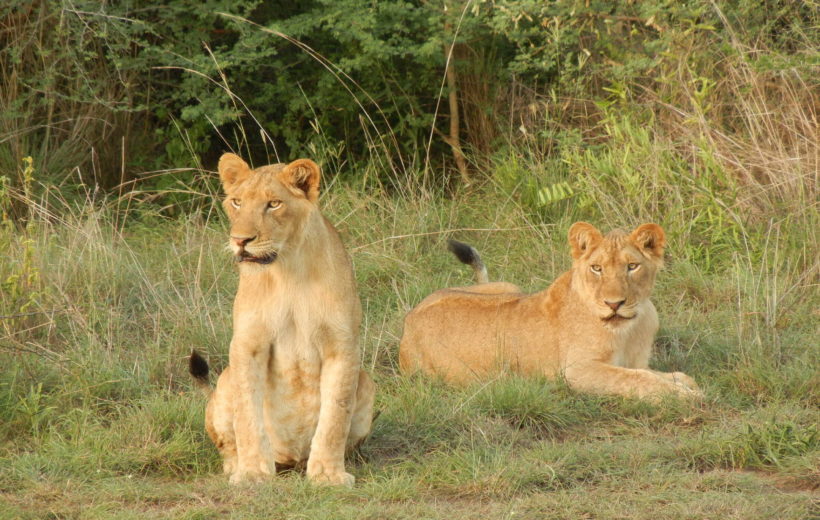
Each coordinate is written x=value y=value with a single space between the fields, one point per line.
x=302 y=175
x=583 y=236
x=232 y=170
x=650 y=239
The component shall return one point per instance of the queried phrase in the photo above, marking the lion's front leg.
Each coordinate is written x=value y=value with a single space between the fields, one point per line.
x=338 y=382
x=249 y=365
x=602 y=378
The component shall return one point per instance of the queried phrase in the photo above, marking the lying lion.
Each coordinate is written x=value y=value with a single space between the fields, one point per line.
x=293 y=391
x=594 y=324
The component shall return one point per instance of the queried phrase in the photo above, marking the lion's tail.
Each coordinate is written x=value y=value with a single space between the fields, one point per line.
x=198 y=368
x=467 y=254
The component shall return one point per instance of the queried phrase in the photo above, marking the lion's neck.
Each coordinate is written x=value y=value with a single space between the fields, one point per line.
x=303 y=260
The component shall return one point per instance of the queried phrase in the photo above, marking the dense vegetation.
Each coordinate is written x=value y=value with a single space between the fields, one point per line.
x=501 y=122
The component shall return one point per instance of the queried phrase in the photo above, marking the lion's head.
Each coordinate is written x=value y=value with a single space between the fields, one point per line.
x=615 y=273
x=268 y=206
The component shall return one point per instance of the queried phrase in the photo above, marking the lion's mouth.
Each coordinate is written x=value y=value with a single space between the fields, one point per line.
x=617 y=318
x=265 y=259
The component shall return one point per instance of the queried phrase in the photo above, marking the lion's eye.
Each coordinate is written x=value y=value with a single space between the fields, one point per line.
x=633 y=266
x=595 y=268
x=274 y=204
x=235 y=203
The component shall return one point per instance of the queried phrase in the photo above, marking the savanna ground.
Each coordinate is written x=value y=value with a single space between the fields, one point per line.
x=104 y=292
x=100 y=419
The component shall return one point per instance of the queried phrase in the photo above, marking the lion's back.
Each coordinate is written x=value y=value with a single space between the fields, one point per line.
x=447 y=333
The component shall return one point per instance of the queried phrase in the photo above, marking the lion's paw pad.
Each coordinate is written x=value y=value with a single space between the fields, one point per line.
x=247 y=477
x=340 y=478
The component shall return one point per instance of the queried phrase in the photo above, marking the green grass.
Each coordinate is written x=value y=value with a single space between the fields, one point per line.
x=98 y=417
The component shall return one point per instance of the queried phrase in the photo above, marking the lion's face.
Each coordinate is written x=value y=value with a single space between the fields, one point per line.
x=268 y=206
x=615 y=273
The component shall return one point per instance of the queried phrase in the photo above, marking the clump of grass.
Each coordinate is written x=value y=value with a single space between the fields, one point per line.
x=755 y=446
x=416 y=418
x=541 y=406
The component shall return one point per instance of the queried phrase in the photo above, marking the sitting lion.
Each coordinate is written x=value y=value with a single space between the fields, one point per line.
x=594 y=324
x=293 y=390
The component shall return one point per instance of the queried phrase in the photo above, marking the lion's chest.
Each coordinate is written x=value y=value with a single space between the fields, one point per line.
x=298 y=323
x=292 y=398
x=631 y=342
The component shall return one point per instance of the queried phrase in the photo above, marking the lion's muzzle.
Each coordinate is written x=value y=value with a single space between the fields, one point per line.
x=267 y=258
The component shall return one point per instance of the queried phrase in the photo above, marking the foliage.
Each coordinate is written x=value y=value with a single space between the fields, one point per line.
x=145 y=87
x=62 y=101
x=20 y=282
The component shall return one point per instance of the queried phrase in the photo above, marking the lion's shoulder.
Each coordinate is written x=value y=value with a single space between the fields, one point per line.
x=557 y=295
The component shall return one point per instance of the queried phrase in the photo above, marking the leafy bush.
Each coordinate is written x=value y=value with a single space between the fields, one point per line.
x=118 y=89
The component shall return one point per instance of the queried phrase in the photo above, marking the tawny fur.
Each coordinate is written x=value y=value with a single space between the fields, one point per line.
x=594 y=324
x=293 y=391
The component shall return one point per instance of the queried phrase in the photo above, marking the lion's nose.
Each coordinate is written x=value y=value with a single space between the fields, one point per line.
x=241 y=241
x=614 y=305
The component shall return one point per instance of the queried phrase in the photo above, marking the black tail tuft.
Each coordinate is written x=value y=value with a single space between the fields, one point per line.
x=465 y=253
x=468 y=255
x=198 y=367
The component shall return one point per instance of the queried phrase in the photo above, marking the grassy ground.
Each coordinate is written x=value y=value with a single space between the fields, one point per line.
x=98 y=418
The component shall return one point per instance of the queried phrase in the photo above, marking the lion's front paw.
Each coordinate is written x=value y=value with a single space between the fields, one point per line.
x=250 y=477
x=229 y=465
x=319 y=473
x=685 y=385
x=342 y=478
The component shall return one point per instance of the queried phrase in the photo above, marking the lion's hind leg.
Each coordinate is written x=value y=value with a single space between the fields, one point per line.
x=219 y=419
x=362 y=419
